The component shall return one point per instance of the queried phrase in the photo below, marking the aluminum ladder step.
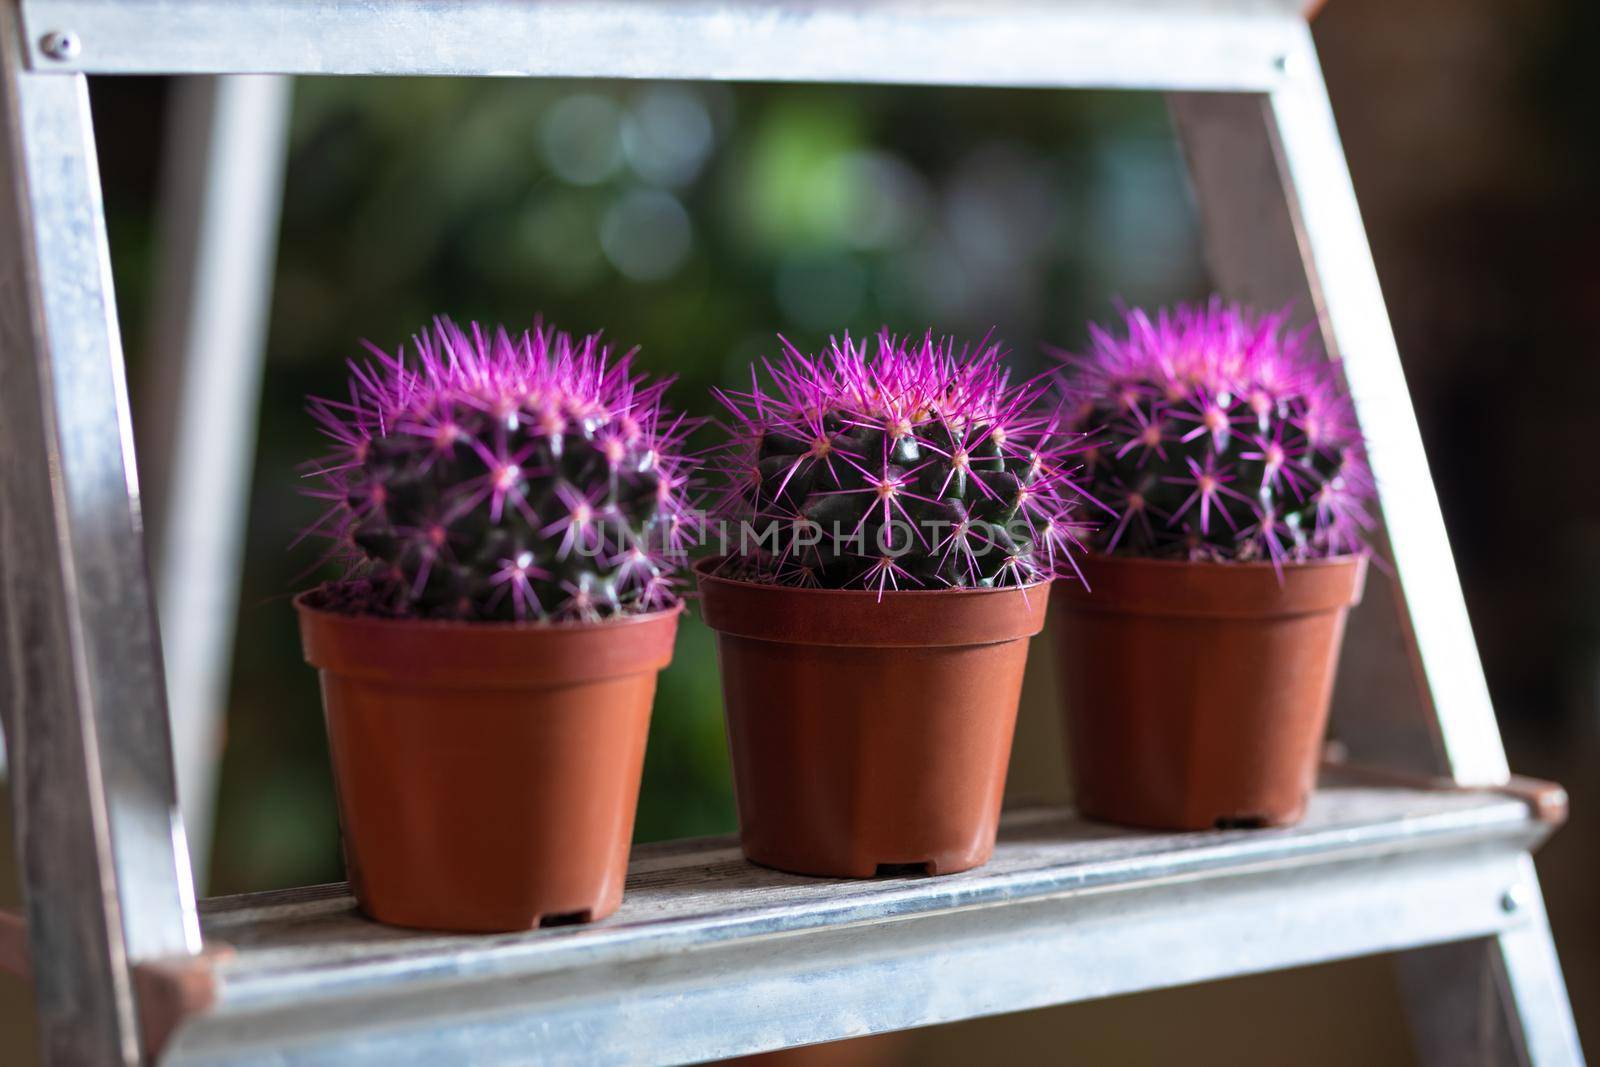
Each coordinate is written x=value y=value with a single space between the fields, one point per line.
x=711 y=956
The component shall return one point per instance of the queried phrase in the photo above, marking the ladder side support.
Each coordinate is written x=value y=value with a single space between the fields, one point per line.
x=1494 y=1000
x=222 y=191
x=1282 y=226
x=105 y=866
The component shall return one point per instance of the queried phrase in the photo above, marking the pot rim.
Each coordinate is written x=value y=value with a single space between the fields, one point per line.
x=450 y=653
x=700 y=571
x=859 y=618
x=302 y=604
x=1110 y=559
x=1177 y=588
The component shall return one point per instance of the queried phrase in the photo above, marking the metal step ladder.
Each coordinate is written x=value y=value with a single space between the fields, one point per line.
x=1420 y=845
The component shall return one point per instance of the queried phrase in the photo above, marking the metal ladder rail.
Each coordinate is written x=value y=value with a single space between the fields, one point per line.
x=1282 y=226
x=222 y=188
x=107 y=878
x=100 y=841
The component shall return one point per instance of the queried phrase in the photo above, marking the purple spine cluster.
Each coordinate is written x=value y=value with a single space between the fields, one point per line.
x=897 y=463
x=492 y=476
x=1221 y=434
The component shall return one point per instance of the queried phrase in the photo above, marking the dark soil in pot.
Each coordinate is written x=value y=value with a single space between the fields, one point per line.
x=488 y=773
x=1197 y=693
x=869 y=734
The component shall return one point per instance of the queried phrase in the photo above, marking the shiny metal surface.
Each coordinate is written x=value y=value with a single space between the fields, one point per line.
x=1493 y=1000
x=101 y=844
x=1195 y=44
x=711 y=956
x=222 y=189
x=1282 y=226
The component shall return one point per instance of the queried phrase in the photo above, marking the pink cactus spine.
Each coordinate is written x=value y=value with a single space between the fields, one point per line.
x=1220 y=434
x=898 y=463
x=491 y=476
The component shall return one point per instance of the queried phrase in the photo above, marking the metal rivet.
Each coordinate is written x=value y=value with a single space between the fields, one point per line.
x=61 y=44
x=1513 y=899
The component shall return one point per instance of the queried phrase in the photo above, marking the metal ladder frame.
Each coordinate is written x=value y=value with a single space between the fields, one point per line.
x=100 y=835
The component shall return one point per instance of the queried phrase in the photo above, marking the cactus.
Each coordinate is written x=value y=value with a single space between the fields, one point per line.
x=1220 y=435
x=492 y=477
x=917 y=467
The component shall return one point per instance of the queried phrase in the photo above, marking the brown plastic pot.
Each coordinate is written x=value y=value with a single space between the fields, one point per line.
x=487 y=773
x=868 y=734
x=1197 y=693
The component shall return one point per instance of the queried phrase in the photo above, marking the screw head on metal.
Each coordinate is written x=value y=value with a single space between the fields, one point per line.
x=61 y=44
x=1513 y=899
